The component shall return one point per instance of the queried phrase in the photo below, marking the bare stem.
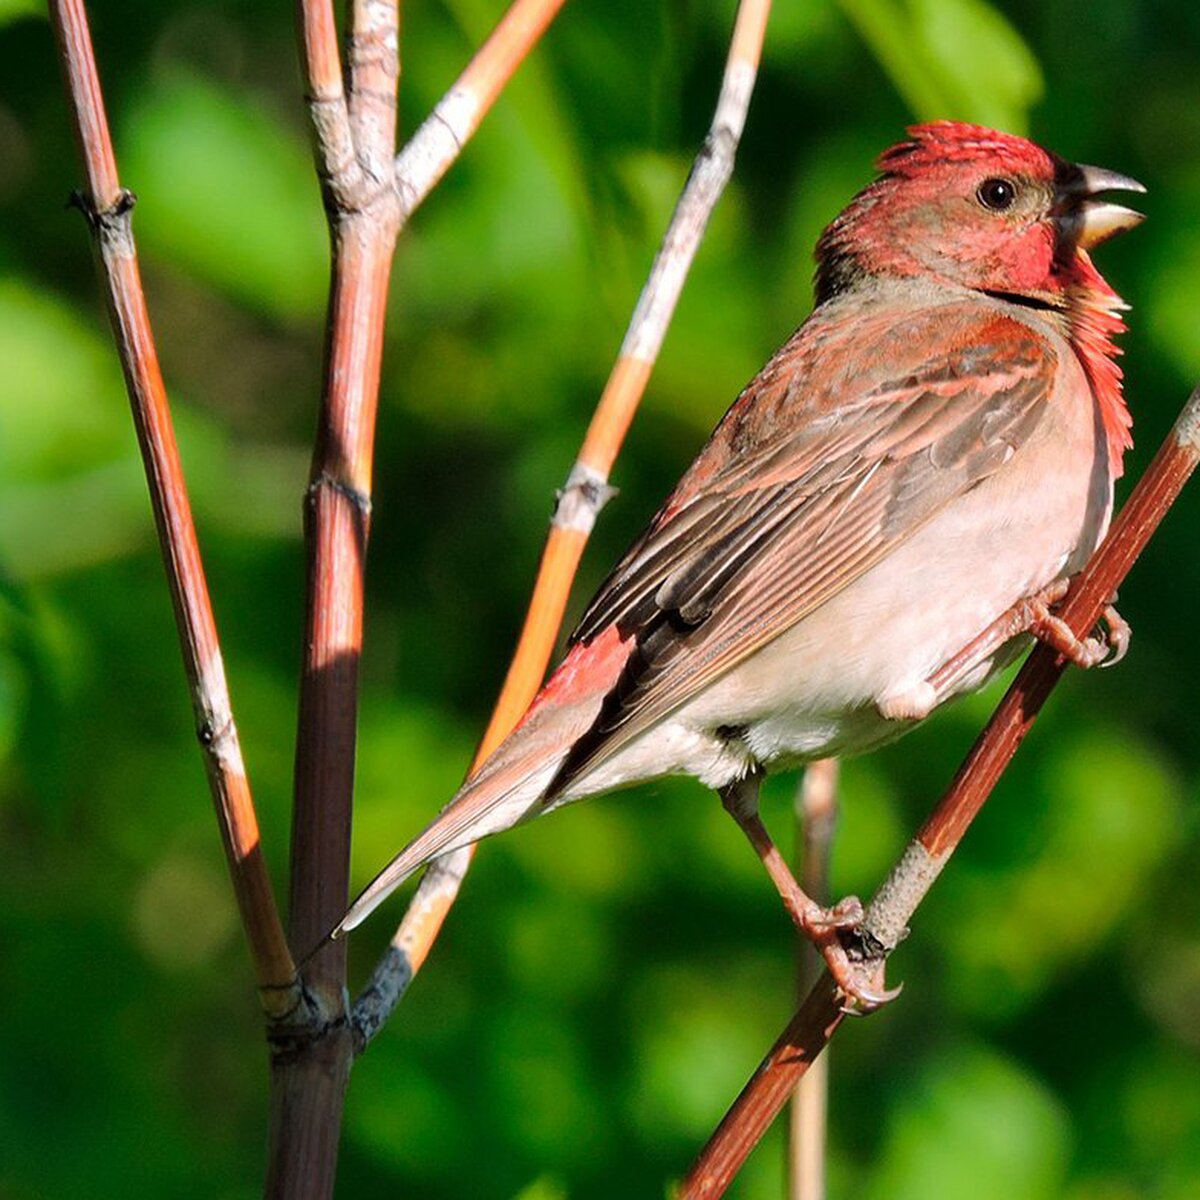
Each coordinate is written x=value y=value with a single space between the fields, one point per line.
x=910 y=880
x=816 y=818
x=444 y=133
x=374 y=54
x=354 y=138
x=108 y=208
x=586 y=489
x=338 y=167
x=355 y=146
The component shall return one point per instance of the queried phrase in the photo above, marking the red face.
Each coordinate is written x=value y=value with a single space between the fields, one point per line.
x=971 y=206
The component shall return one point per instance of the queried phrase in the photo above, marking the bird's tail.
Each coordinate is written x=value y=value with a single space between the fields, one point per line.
x=512 y=784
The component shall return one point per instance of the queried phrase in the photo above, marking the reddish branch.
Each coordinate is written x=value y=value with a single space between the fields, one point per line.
x=896 y=901
x=443 y=134
x=108 y=208
x=586 y=489
x=354 y=133
x=354 y=141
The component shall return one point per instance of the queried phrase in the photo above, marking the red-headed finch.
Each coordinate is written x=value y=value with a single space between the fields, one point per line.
x=878 y=524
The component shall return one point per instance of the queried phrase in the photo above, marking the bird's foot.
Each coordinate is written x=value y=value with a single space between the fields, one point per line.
x=860 y=982
x=1107 y=648
x=830 y=929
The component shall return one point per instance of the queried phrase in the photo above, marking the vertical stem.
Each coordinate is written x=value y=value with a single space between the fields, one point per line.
x=338 y=514
x=308 y=1088
x=374 y=66
x=354 y=141
x=816 y=819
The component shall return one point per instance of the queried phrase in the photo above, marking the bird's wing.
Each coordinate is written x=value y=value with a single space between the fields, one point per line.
x=843 y=446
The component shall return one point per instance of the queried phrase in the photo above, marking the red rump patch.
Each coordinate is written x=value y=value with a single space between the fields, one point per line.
x=590 y=669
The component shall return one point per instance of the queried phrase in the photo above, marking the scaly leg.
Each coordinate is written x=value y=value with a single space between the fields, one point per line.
x=819 y=924
x=1033 y=615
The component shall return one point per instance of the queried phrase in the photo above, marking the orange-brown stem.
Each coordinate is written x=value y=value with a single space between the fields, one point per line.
x=586 y=489
x=108 y=208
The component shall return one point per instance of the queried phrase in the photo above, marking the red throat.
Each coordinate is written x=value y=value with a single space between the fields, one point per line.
x=1094 y=314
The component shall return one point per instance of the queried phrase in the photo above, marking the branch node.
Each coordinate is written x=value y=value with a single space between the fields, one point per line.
x=357 y=497
x=292 y=1037
x=112 y=225
x=212 y=734
x=579 y=501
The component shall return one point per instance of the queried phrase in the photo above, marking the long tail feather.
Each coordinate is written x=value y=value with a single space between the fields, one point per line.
x=512 y=784
x=488 y=804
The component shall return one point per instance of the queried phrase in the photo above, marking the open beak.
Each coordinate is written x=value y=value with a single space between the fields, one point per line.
x=1088 y=219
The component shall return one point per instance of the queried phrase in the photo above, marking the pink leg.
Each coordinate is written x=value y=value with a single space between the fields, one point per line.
x=819 y=924
x=1033 y=615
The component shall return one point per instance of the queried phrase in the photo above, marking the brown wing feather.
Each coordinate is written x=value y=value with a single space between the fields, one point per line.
x=823 y=465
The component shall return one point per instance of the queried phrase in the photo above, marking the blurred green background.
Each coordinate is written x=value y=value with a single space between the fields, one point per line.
x=611 y=975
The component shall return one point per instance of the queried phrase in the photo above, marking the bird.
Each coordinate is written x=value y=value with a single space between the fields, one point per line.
x=882 y=521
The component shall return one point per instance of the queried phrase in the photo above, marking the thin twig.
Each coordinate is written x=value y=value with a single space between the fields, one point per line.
x=444 y=133
x=816 y=818
x=108 y=208
x=586 y=489
x=374 y=61
x=892 y=908
x=338 y=166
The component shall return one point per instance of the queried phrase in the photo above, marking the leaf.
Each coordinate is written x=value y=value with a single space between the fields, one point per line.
x=952 y=58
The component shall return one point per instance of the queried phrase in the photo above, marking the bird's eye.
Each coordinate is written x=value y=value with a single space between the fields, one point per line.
x=996 y=194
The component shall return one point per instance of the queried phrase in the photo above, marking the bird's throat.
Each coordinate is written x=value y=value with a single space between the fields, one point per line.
x=1093 y=314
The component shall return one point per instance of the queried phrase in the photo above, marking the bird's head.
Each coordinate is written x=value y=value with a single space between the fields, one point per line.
x=986 y=210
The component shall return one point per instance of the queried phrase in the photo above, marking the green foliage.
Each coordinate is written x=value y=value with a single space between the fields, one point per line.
x=952 y=58
x=228 y=197
x=972 y=1126
x=612 y=974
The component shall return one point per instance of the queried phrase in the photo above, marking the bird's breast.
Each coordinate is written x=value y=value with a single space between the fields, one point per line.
x=814 y=690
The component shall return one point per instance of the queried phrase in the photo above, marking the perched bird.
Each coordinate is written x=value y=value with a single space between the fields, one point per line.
x=879 y=522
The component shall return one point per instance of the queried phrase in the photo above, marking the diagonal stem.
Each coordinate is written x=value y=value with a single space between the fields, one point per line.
x=108 y=208
x=444 y=133
x=586 y=489
x=897 y=900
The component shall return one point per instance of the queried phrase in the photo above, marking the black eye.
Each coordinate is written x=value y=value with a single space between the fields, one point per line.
x=996 y=194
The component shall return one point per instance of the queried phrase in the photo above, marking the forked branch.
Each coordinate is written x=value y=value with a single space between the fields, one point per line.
x=586 y=488
x=896 y=901
x=354 y=132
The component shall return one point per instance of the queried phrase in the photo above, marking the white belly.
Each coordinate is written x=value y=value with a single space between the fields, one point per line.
x=814 y=690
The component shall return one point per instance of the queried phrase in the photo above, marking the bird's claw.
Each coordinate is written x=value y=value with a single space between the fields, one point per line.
x=1117 y=635
x=1105 y=649
x=861 y=983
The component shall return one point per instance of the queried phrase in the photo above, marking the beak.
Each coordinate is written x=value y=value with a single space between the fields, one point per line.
x=1087 y=219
